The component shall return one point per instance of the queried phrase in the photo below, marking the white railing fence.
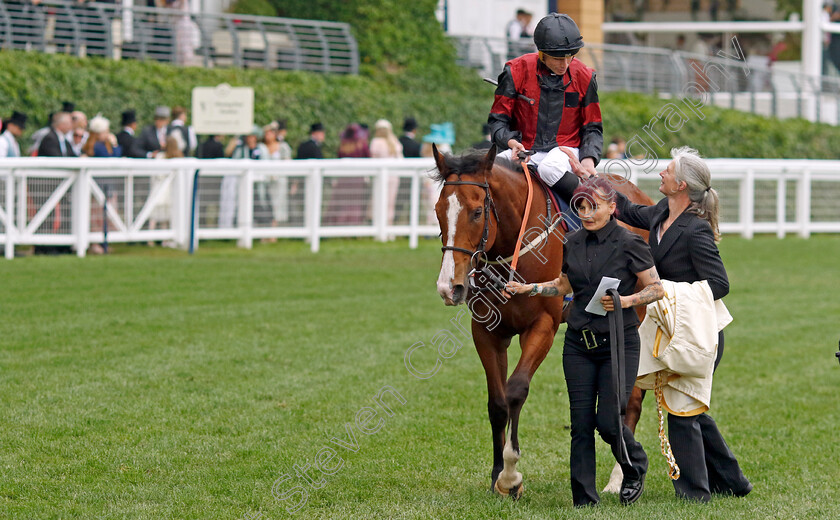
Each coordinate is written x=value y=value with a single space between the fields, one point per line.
x=55 y=201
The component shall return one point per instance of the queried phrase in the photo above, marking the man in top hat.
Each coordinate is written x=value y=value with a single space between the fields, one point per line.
x=13 y=128
x=311 y=148
x=411 y=148
x=126 y=139
x=153 y=138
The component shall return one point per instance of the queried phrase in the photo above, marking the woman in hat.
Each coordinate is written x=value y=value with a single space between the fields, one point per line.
x=101 y=142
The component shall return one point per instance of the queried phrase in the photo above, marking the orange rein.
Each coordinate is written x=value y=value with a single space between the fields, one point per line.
x=515 y=259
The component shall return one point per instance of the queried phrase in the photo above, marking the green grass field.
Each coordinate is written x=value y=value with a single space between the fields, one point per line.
x=152 y=385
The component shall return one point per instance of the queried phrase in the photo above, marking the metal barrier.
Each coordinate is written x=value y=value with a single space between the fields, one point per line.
x=178 y=36
x=749 y=86
x=55 y=201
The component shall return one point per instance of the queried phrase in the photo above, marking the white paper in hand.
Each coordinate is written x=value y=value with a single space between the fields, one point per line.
x=594 y=306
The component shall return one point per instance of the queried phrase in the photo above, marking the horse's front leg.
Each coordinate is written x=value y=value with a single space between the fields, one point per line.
x=492 y=350
x=535 y=343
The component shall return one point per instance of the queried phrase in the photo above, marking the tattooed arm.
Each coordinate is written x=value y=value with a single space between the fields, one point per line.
x=557 y=287
x=652 y=291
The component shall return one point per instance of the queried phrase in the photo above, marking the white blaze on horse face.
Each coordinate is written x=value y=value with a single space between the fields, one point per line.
x=447 y=268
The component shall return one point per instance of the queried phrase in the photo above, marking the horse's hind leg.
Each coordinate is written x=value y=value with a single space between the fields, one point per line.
x=492 y=350
x=535 y=343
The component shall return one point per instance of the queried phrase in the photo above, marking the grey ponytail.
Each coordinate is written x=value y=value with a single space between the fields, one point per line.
x=690 y=168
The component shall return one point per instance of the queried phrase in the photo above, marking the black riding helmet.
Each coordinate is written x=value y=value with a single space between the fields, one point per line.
x=558 y=35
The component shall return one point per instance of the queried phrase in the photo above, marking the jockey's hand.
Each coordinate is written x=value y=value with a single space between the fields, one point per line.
x=582 y=169
x=588 y=164
x=516 y=147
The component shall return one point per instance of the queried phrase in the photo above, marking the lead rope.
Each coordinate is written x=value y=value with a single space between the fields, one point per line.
x=524 y=218
x=664 y=443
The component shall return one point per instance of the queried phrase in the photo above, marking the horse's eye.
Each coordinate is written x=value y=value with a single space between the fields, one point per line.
x=477 y=213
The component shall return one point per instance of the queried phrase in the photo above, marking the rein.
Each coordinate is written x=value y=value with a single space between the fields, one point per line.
x=524 y=159
x=618 y=377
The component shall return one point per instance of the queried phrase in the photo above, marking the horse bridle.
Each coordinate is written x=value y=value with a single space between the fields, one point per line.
x=480 y=252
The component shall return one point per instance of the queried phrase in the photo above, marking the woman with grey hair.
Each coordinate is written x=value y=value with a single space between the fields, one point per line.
x=683 y=238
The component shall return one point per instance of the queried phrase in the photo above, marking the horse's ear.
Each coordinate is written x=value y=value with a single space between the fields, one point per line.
x=490 y=158
x=439 y=161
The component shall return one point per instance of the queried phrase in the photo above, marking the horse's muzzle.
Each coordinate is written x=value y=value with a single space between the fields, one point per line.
x=459 y=294
x=452 y=295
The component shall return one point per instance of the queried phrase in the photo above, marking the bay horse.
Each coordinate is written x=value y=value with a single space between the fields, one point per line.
x=480 y=212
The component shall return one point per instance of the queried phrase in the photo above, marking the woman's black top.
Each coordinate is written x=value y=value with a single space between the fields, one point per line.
x=588 y=256
x=687 y=252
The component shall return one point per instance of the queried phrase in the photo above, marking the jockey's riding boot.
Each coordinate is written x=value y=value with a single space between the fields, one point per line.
x=564 y=188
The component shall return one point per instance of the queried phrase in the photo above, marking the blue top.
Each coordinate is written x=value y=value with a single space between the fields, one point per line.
x=100 y=150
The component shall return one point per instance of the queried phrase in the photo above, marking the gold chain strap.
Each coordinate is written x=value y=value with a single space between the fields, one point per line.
x=665 y=445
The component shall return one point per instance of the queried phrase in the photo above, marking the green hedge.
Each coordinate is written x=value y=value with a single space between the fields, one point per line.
x=37 y=83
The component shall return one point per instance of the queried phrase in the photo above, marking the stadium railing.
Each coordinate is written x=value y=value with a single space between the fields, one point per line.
x=748 y=85
x=178 y=36
x=55 y=201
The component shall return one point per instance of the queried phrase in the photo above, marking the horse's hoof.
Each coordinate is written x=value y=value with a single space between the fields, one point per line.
x=616 y=477
x=514 y=492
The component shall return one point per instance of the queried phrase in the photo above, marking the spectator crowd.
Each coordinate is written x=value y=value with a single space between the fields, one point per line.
x=69 y=133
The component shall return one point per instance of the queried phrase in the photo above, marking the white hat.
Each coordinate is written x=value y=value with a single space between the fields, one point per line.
x=382 y=123
x=99 y=124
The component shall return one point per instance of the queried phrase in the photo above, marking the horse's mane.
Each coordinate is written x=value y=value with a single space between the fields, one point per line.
x=469 y=161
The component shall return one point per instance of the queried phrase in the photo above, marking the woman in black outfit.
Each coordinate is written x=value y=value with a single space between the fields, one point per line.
x=683 y=234
x=601 y=249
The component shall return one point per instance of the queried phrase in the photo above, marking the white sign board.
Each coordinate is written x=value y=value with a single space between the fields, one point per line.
x=222 y=110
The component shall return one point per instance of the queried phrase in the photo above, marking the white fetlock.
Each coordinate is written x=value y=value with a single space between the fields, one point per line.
x=509 y=481
x=616 y=477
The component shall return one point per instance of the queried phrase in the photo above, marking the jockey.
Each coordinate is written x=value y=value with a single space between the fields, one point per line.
x=549 y=99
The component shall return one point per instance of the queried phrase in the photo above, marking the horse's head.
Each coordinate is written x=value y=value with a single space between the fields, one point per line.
x=463 y=211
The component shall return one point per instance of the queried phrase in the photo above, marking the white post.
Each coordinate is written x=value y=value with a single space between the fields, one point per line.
x=22 y=203
x=245 y=216
x=803 y=204
x=747 y=202
x=380 y=198
x=811 y=38
x=80 y=212
x=781 y=205
x=414 y=211
x=181 y=208
x=314 y=185
x=10 y=215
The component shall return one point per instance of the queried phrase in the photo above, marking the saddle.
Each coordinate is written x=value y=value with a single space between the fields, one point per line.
x=551 y=197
